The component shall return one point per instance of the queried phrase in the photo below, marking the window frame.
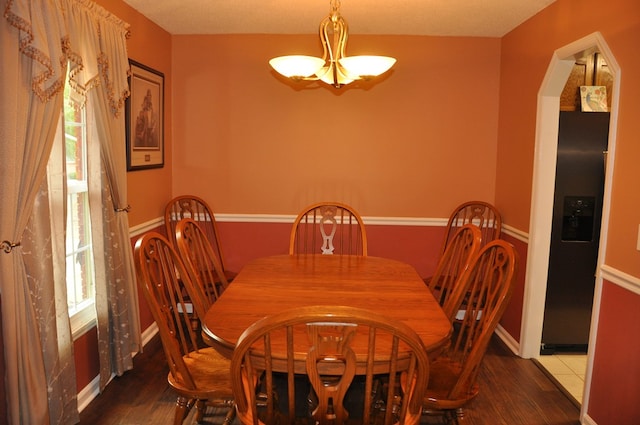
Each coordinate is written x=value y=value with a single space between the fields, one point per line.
x=83 y=317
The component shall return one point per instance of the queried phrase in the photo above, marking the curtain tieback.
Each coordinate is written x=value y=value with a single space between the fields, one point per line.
x=7 y=246
x=125 y=209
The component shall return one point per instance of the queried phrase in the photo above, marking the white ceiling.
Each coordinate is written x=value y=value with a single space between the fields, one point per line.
x=475 y=18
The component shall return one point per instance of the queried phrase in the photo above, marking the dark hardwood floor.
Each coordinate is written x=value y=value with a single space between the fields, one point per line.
x=513 y=391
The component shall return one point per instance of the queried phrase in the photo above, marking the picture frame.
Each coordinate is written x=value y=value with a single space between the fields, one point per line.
x=144 y=118
x=593 y=99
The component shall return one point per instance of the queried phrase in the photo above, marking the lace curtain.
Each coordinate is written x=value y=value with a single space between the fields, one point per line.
x=37 y=40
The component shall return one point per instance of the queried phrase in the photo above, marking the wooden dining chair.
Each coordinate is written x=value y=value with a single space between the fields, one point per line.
x=328 y=228
x=201 y=262
x=308 y=365
x=482 y=214
x=200 y=376
x=463 y=247
x=489 y=282
x=195 y=208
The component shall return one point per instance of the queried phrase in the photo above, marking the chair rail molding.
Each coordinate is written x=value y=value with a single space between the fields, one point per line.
x=622 y=279
x=142 y=228
x=289 y=218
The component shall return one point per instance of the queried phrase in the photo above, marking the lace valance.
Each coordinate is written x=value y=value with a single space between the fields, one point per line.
x=53 y=33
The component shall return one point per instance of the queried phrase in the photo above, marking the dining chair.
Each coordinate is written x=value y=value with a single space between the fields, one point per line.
x=329 y=365
x=482 y=214
x=463 y=247
x=200 y=376
x=328 y=228
x=488 y=283
x=195 y=208
x=201 y=264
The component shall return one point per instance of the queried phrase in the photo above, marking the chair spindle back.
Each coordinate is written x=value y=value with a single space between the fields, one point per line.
x=328 y=228
x=482 y=214
x=328 y=347
x=205 y=271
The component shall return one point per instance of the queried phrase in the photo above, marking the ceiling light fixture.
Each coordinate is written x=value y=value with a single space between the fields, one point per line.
x=334 y=67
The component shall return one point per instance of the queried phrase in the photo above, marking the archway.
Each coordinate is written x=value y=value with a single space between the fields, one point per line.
x=543 y=190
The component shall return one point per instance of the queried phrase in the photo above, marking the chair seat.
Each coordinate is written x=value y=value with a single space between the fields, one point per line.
x=200 y=376
x=487 y=285
x=211 y=374
x=443 y=376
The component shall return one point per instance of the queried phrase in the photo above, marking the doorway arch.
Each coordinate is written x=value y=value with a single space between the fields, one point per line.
x=542 y=194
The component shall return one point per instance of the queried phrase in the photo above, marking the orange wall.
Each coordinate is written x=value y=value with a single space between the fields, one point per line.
x=416 y=143
x=526 y=53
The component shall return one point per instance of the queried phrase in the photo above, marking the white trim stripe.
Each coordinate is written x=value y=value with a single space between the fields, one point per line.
x=609 y=273
x=622 y=279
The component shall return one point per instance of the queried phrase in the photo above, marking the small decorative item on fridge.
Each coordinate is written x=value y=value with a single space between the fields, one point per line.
x=594 y=98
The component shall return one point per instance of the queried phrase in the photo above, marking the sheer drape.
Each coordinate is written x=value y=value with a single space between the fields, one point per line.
x=37 y=39
x=32 y=78
x=116 y=300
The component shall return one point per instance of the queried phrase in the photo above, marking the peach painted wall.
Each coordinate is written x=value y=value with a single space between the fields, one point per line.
x=416 y=143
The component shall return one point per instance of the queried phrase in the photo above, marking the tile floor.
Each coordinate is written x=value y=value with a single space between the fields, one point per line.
x=569 y=370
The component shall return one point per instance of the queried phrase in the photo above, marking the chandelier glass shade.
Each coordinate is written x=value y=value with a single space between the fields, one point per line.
x=334 y=68
x=296 y=66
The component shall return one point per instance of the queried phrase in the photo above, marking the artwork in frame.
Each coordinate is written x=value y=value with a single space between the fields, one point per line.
x=144 y=112
x=593 y=98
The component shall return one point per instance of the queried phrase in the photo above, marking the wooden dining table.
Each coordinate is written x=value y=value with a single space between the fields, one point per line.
x=269 y=285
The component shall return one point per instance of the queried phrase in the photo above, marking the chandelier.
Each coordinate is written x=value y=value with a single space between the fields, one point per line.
x=334 y=68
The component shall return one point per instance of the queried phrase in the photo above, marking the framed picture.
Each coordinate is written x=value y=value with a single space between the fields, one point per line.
x=593 y=98
x=144 y=117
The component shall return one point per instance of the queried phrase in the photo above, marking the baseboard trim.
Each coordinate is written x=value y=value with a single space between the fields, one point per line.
x=88 y=393
x=508 y=340
x=149 y=333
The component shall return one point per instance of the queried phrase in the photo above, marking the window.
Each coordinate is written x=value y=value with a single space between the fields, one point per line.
x=78 y=245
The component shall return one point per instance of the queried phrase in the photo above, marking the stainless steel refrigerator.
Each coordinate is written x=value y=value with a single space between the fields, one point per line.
x=577 y=212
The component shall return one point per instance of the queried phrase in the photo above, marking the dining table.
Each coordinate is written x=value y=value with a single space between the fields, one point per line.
x=269 y=285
